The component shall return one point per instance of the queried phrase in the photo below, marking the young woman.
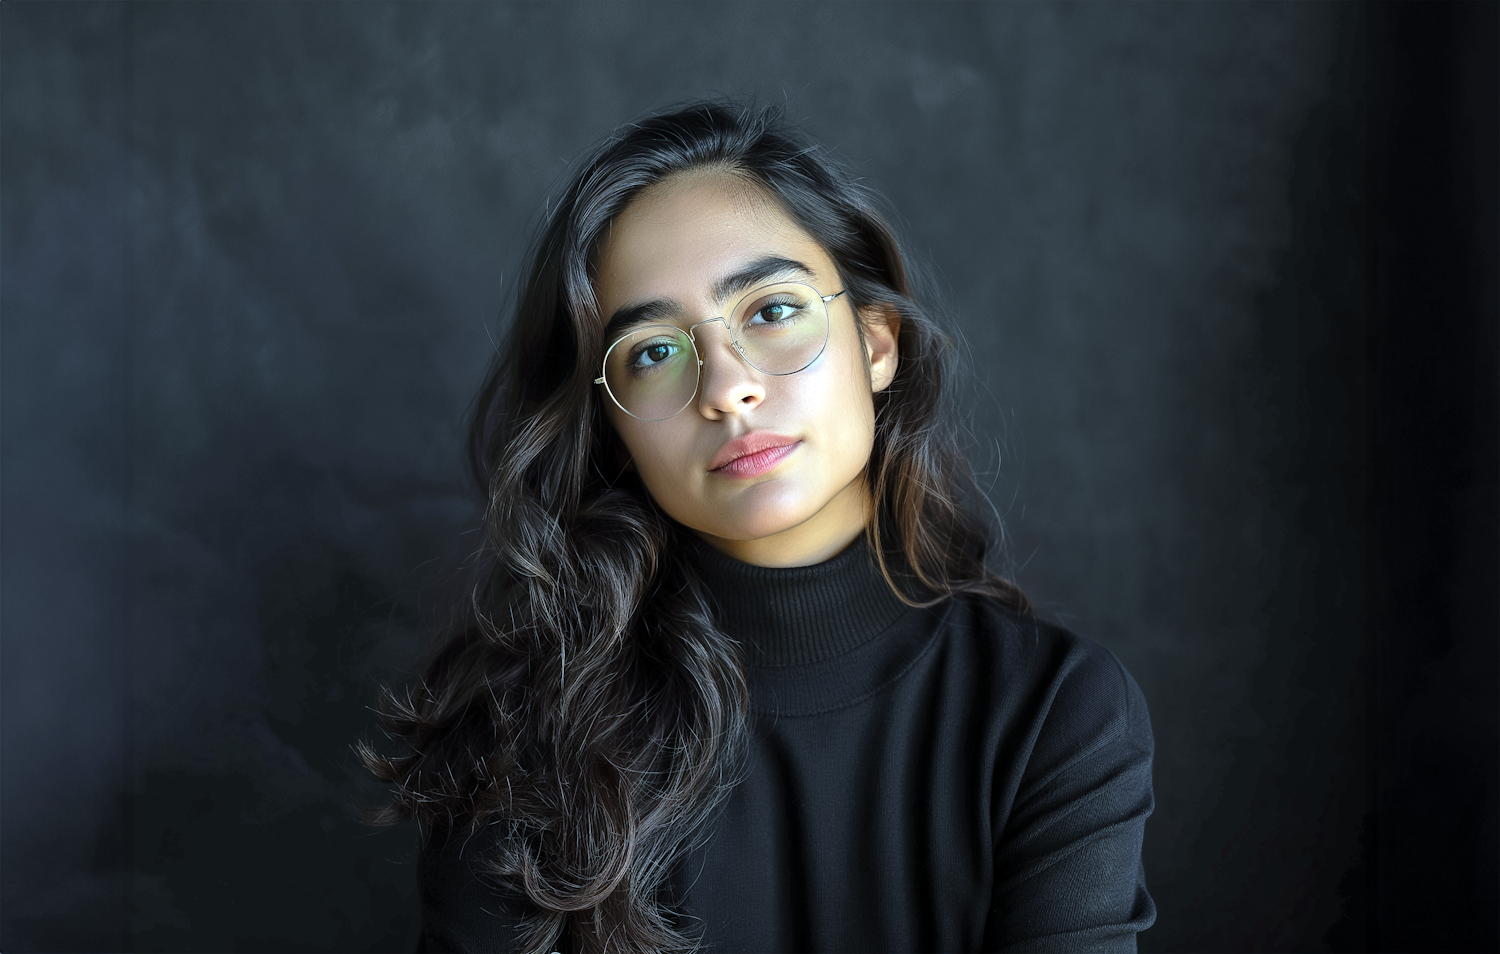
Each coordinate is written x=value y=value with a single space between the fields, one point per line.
x=736 y=674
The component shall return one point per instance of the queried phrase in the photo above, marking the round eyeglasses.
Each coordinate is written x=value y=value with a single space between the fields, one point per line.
x=652 y=372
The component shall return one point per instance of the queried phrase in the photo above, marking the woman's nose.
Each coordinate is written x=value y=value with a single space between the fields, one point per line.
x=726 y=382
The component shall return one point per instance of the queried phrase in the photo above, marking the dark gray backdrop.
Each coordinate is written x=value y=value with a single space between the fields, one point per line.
x=1225 y=274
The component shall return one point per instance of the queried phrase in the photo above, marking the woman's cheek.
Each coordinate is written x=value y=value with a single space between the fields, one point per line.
x=667 y=475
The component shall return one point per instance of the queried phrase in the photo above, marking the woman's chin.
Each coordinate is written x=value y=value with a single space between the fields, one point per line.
x=789 y=537
x=761 y=527
x=777 y=512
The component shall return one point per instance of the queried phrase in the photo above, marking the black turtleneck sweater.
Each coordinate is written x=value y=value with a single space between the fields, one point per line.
x=957 y=778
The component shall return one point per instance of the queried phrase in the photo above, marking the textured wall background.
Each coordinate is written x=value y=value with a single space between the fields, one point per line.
x=255 y=256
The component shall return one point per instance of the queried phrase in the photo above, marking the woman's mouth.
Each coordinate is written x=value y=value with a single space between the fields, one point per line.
x=753 y=455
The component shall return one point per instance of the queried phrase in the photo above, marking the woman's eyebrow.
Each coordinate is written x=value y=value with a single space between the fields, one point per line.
x=758 y=272
x=645 y=311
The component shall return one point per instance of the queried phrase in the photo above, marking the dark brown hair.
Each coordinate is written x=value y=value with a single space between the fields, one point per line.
x=589 y=704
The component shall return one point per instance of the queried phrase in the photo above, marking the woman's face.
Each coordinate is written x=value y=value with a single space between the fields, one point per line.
x=804 y=499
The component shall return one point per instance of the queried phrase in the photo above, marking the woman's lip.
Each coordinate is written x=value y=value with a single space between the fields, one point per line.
x=751 y=443
x=753 y=465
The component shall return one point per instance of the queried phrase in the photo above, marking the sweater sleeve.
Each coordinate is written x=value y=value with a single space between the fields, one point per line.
x=461 y=911
x=1068 y=873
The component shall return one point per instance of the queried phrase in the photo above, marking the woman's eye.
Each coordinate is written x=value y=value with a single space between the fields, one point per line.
x=653 y=354
x=774 y=312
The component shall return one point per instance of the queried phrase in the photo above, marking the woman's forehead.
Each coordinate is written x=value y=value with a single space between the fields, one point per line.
x=682 y=236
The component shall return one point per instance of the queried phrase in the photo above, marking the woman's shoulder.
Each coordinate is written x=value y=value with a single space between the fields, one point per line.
x=1025 y=636
x=1074 y=686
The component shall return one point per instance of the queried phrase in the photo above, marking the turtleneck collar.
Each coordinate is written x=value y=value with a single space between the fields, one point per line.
x=800 y=615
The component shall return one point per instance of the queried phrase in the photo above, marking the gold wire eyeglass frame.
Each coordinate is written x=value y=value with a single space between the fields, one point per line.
x=739 y=348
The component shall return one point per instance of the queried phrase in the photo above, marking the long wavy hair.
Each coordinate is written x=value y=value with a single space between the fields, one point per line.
x=588 y=702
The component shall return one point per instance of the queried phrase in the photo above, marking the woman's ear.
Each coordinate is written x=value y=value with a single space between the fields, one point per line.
x=882 y=327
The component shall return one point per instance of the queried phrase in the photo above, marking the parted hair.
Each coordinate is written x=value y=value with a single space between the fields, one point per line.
x=586 y=707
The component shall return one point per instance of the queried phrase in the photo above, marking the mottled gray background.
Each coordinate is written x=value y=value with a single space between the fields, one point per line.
x=1225 y=273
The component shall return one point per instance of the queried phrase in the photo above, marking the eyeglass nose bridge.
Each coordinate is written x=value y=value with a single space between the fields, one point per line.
x=692 y=333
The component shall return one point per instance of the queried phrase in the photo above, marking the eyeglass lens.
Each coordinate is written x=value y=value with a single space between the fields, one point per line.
x=652 y=372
